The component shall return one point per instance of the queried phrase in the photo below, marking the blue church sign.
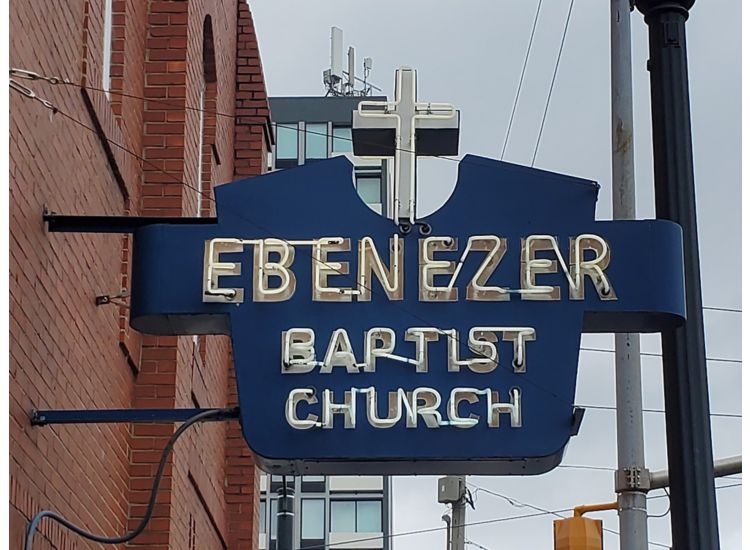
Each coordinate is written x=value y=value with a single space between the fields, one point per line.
x=450 y=348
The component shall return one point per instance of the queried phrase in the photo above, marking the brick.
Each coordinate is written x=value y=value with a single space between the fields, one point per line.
x=89 y=356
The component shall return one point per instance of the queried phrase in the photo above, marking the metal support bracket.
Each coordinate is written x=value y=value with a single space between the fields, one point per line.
x=632 y=479
x=113 y=416
x=116 y=299
x=59 y=223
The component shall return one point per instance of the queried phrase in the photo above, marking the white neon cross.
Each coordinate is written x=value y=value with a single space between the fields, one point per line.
x=406 y=115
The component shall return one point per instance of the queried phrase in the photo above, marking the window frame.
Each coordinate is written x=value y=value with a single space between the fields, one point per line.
x=107 y=24
x=287 y=162
x=356 y=502
x=317 y=134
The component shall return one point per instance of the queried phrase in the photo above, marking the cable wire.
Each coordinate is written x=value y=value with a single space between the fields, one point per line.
x=517 y=503
x=431 y=530
x=552 y=84
x=669 y=507
x=472 y=543
x=726 y=309
x=208 y=195
x=587 y=467
x=520 y=81
x=659 y=411
x=34 y=523
x=655 y=354
x=654 y=497
x=116 y=540
x=30 y=75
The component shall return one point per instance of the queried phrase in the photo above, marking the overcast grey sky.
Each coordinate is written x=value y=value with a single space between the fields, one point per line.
x=470 y=53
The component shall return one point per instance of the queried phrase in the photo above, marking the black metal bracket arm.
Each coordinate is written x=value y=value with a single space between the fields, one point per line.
x=59 y=223
x=119 y=299
x=113 y=416
x=575 y=422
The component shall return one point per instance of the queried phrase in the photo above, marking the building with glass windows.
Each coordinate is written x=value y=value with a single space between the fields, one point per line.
x=345 y=512
x=314 y=128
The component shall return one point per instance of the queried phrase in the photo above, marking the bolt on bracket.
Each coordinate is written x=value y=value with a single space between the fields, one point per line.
x=632 y=479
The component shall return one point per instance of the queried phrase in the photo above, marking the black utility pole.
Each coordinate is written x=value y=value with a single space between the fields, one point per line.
x=693 y=498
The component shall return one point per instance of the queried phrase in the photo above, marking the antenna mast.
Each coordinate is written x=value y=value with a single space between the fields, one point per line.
x=333 y=77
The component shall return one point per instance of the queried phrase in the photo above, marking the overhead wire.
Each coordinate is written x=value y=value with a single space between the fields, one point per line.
x=175 y=103
x=207 y=195
x=718 y=487
x=669 y=507
x=472 y=543
x=33 y=525
x=660 y=411
x=520 y=504
x=552 y=84
x=428 y=530
x=520 y=81
x=726 y=309
x=655 y=354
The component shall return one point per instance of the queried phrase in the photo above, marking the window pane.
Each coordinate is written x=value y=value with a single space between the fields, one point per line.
x=368 y=516
x=286 y=141
x=342 y=516
x=313 y=521
x=368 y=188
x=263 y=516
x=316 y=141
x=342 y=140
x=313 y=478
x=274 y=511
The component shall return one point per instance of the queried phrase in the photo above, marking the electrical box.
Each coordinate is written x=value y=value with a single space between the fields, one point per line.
x=449 y=489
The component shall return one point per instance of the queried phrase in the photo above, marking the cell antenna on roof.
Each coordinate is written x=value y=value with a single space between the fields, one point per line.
x=333 y=77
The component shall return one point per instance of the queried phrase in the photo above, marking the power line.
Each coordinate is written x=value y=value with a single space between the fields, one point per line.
x=432 y=530
x=611 y=469
x=660 y=411
x=727 y=309
x=718 y=487
x=125 y=149
x=552 y=84
x=207 y=194
x=472 y=543
x=587 y=467
x=519 y=504
x=655 y=354
x=520 y=81
x=30 y=75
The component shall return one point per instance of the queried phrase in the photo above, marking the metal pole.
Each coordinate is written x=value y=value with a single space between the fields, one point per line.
x=694 y=519
x=447 y=519
x=722 y=467
x=458 y=522
x=630 y=454
x=285 y=518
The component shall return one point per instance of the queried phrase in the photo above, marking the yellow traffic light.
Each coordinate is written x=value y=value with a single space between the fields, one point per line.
x=578 y=533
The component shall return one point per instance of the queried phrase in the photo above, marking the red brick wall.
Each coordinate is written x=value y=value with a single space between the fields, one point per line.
x=253 y=140
x=66 y=352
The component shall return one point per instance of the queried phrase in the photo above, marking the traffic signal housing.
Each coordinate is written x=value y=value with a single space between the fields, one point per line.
x=578 y=533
